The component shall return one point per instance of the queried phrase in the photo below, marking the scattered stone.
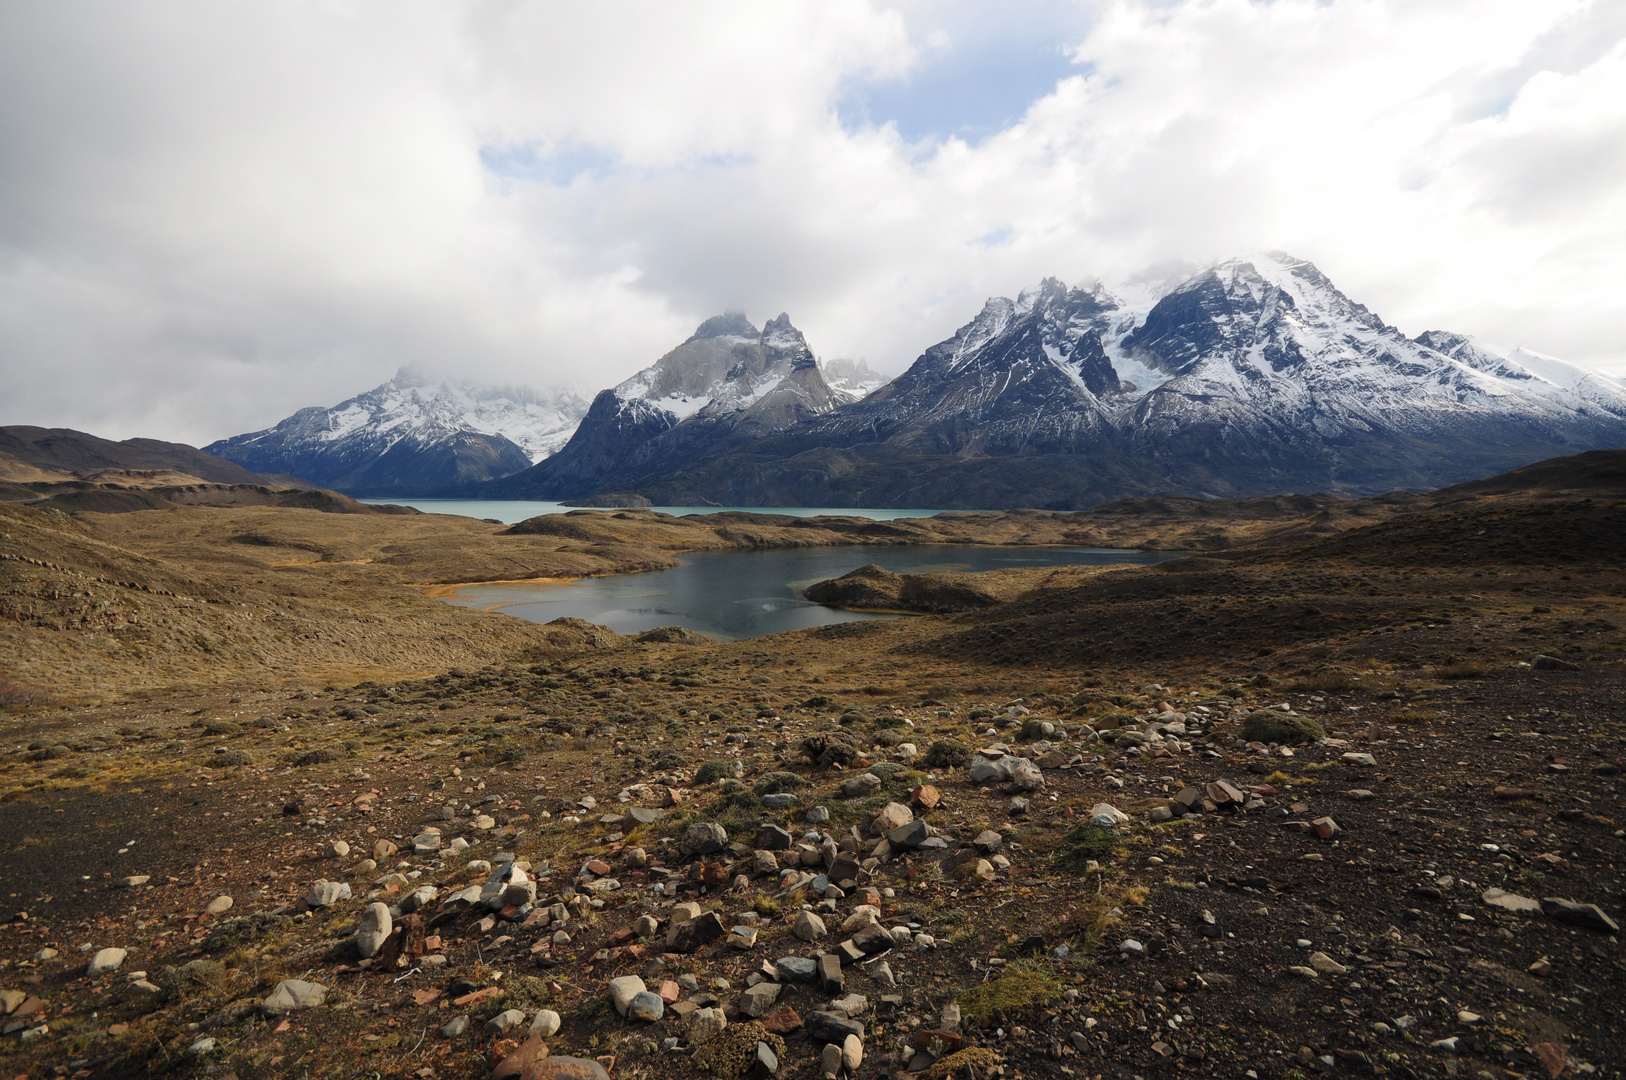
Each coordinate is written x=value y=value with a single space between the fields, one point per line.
x=758 y=999
x=454 y=1027
x=852 y=1052
x=704 y=1023
x=426 y=843
x=809 y=927
x=623 y=990
x=891 y=816
x=797 y=968
x=910 y=835
x=696 y=932
x=515 y=1064
x=505 y=1021
x=105 y=962
x=1590 y=916
x=861 y=785
x=376 y=925
x=817 y=816
x=783 y=800
x=566 y=1068
x=703 y=838
x=1326 y=964
x=327 y=893
x=1507 y=901
x=546 y=1023
x=294 y=994
x=773 y=838
x=645 y=1006
x=1543 y=662
x=1107 y=816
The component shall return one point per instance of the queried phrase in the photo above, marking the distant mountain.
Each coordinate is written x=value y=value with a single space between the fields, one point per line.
x=729 y=383
x=413 y=436
x=1253 y=377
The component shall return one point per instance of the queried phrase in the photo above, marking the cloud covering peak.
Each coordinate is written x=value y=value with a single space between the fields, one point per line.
x=213 y=215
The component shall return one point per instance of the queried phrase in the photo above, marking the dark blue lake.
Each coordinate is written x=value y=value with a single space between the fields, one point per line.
x=728 y=595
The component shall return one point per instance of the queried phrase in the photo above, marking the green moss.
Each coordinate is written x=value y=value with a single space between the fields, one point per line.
x=1274 y=726
x=733 y=1051
x=713 y=771
x=776 y=783
x=979 y=1058
x=947 y=754
x=1024 y=985
x=1085 y=842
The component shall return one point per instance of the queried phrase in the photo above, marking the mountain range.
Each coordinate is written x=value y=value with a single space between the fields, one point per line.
x=1255 y=376
x=413 y=435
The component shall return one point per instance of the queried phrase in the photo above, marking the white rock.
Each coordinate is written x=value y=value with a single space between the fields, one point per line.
x=105 y=961
x=327 y=893
x=623 y=990
x=219 y=905
x=376 y=925
x=704 y=1023
x=292 y=994
x=546 y=1023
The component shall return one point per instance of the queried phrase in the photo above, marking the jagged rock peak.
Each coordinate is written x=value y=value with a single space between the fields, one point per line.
x=728 y=324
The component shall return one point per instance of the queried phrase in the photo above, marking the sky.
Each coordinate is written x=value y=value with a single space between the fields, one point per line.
x=214 y=214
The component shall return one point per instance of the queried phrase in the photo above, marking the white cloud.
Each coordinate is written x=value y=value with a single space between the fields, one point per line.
x=211 y=215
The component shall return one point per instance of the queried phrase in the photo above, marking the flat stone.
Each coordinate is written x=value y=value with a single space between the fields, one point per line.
x=833 y=1027
x=988 y=840
x=1326 y=964
x=861 y=785
x=872 y=939
x=830 y=1061
x=134 y=881
x=1508 y=901
x=925 y=796
x=796 y=968
x=817 y=816
x=294 y=994
x=505 y=1021
x=1590 y=916
x=566 y=1068
x=455 y=1027
x=105 y=961
x=327 y=893
x=831 y=979
x=783 y=800
x=219 y=905
x=910 y=835
x=426 y=843
x=767 y=1062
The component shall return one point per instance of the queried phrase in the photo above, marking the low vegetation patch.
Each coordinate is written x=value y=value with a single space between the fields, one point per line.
x=1026 y=983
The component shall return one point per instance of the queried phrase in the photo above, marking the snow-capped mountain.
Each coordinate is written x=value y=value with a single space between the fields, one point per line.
x=729 y=381
x=1255 y=376
x=414 y=436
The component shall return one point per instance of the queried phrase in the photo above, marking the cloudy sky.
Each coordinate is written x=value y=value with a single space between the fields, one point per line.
x=213 y=214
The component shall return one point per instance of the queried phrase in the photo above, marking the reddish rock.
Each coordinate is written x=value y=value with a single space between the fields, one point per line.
x=714 y=875
x=670 y=991
x=925 y=796
x=782 y=1021
x=477 y=996
x=1552 y=1058
x=565 y=1068
x=950 y=1040
x=597 y=866
x=518 y=1058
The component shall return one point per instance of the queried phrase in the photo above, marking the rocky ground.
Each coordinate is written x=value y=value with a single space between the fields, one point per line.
x=1346 y=805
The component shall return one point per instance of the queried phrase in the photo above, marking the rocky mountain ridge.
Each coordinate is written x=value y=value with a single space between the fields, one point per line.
x=1253 y=377
x=413 y=435
x=727 y=384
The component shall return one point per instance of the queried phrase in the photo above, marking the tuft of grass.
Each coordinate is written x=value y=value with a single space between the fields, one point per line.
x=1085 y=842
x=1467 y=669
x=1026 y=983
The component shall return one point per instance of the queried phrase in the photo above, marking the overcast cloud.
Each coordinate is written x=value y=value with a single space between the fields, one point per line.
x=213 y=214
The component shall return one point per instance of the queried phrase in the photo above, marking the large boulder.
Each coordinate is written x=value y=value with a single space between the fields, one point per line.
x=703 y=838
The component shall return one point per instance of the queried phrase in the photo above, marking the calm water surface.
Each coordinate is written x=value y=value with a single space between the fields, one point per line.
x=728 y=595
x=509 y=511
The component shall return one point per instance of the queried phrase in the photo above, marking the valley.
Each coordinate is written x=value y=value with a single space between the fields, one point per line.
x=1075 y=821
